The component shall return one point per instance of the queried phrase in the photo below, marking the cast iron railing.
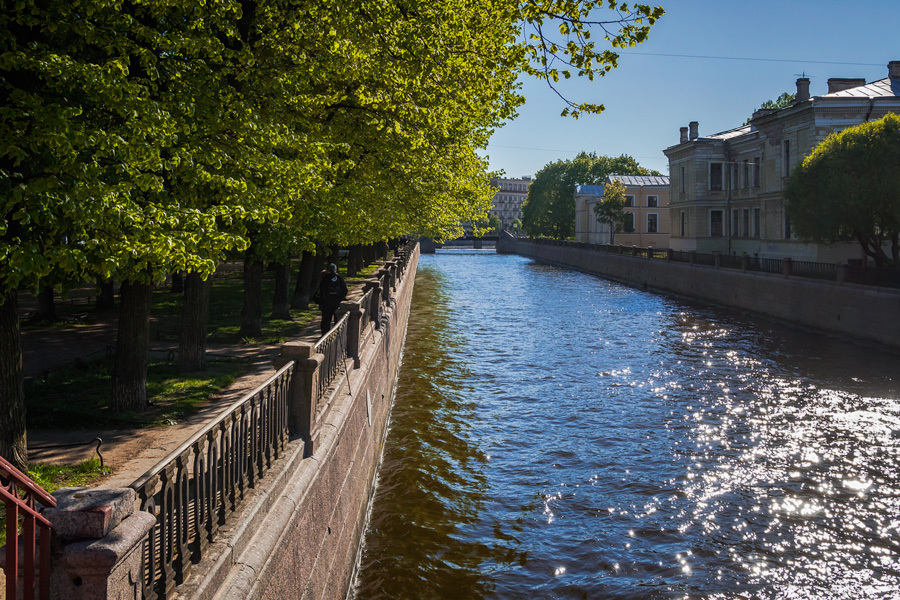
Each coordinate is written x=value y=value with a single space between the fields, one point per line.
x=333 y=346
x=21 y=497
x=853 y=273
x=193 y=490
x=365 y=303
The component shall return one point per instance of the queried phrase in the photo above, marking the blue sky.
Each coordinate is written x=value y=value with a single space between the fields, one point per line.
x=650 y=95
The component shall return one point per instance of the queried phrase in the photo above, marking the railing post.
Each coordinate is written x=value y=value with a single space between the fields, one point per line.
x=843 y=272
x=787 y=267
x=375 y=302
x=303 y=395
x=670 y=254
x=102 y=536
x=692 y=257
x=745 y=262
x=355 y=311
x=717 y=259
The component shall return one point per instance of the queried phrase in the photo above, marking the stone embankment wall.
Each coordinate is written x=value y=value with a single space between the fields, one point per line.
x=863 y=312
x=304 y=543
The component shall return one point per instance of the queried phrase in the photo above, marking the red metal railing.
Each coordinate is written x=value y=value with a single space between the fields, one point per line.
x=13 y=486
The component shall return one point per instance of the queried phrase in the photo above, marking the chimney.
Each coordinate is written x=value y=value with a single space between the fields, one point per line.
x=894 y=69
x=802 y=90
x=837 y=84
x=684 y=136
x=694 y=125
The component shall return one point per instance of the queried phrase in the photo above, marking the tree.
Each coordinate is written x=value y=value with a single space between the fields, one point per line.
x=849 y=188
x=785 y=99
x=142 y=139
x=611 y=209
x=549 y=209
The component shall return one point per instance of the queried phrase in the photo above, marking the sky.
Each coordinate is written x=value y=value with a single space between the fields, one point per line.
x=762 y=47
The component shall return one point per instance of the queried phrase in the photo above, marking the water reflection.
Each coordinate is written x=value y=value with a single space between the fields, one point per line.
x=559 y=436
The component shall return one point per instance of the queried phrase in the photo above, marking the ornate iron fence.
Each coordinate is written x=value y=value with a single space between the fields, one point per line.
x=365 y=303
x=333 y=346
x=194 y=489
x=814 y=270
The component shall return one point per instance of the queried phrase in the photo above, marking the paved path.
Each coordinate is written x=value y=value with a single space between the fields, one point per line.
x=130 y=453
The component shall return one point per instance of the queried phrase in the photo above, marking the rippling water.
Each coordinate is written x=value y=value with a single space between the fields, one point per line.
x=556 y=435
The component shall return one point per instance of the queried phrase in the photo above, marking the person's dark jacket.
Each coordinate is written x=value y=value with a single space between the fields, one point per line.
x=332 y=290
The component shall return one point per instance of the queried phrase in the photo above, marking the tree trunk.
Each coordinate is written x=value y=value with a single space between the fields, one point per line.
x=194 y=322
x=281 y=303
x=352 y=260
x=177 y=283
x=303 y=289
x=46 y=311
x=318 y=268
x=12 y=391
x=129 y=380
x=251 y=313
x=106 y=300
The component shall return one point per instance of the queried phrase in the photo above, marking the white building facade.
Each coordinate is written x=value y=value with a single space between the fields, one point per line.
x=507 y=202
x=727 y=188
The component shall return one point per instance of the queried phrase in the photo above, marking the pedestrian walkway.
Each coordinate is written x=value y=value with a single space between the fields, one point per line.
x=83 y=334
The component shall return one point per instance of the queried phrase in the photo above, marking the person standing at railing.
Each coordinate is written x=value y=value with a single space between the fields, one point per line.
x=332 y=291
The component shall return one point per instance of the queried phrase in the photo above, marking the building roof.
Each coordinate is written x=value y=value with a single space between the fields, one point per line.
x=883 y=88
x=639 y=180
x=731 y=133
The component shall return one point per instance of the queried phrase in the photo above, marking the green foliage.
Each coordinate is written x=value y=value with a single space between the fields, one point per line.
x=53 y=477
x=549 y=209
x=849 y=188
x=79 y=397
x=611 y=208
x=785 y=99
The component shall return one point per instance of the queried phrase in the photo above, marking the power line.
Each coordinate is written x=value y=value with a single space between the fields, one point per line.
x=754 y=59
x=558 y=150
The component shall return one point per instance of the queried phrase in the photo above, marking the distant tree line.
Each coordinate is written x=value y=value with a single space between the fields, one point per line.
x=549 y=209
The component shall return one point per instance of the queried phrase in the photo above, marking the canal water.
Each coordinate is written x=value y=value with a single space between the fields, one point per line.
x=556 y=435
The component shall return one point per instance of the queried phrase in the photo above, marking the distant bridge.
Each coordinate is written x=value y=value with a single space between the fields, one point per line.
x=428 y=246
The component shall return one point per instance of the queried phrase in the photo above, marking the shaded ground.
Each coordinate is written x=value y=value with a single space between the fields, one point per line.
x=83 y=334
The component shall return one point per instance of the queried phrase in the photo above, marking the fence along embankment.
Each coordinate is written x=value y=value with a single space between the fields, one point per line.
x=269 y=499
x=864 y=312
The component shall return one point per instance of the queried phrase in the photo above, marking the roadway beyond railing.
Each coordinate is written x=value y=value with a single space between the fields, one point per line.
x=837 y=272
x=21 y=498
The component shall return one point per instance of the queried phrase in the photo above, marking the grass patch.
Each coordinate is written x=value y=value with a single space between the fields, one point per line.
x=53 y=477
x=78 y=397
x=226 y=299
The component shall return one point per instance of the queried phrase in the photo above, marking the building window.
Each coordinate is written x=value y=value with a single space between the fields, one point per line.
x=682 y=180
x=734 y=222
x=652 y=201
x=629 y=223
x=786 y=167
x=629 y=201
x=746 y=222
x=756 y=223
x=715 y=223
x=652 y=223
x=715 y=176
x=746 y=174
x=756 y=166
x=683 y=223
